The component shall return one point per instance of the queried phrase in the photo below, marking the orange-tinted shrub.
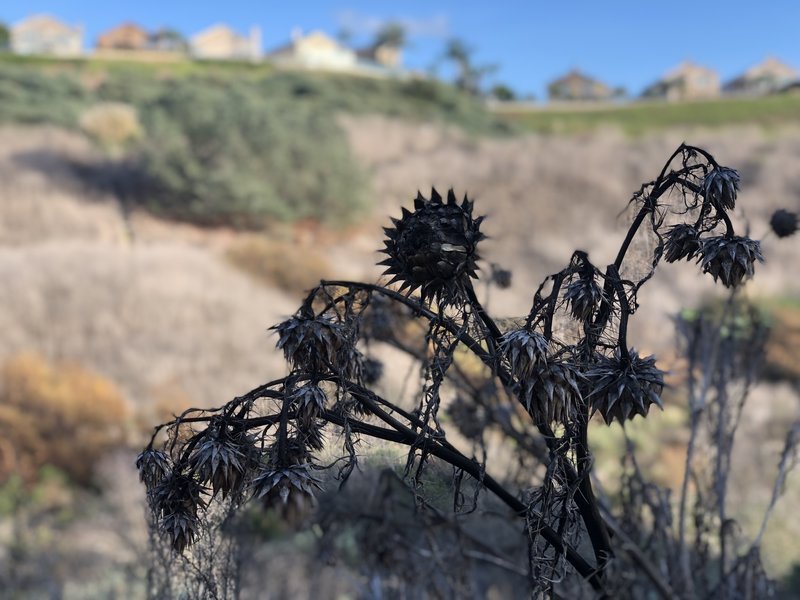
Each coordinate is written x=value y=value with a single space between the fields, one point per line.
x=56 y=414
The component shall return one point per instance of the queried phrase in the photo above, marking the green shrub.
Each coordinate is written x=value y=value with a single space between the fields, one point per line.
x=30 y=96
x=228 y=154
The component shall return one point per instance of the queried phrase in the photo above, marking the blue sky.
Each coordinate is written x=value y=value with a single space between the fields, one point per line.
x=622 y=42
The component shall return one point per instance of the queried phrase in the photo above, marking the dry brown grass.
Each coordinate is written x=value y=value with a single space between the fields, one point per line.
x=285 y=265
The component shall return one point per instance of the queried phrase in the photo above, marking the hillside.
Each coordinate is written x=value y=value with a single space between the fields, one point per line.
x=175 y=309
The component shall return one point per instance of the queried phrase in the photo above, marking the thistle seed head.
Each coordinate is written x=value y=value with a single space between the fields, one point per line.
x=683 y=242
x=371 y=370
x=524 y=349
x=310 y=401
x=223 y=458
x=153 y=466
x=624 y=386
x=730 y=259
x=783 y=223
x=316 y=344
x=434 y=248
x=290 y=490
x=175 y=502
x=720 y=186
x=501 y=277
x=583 y=296
x=553 y=392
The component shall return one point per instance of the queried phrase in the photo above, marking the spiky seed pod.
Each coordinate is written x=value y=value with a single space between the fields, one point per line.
x=682 y=242
x=316 y=345
x=783 y=223
x=224 y=458
x=434 y=248
x=624 y=386
x=371 y=370
x=153 y=466
x=552 y=393
x=730 y=259
x=524 y=349
x=583 y=296
x=312 y=438
x=468 y=416
x=175 y=502
x=501 y=277
x=310 y=400
x=720 y=186
x=290 y=490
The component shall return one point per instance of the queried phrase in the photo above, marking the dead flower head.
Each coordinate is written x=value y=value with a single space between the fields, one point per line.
x=524 y=349
x=316 y=344
x=175 y=502
x=783 y=223
x=552 y=393
x=683 y=242
x=730 y=259
x=624 y=386
x=290 y=490
x=434 y=248
x=720 y=186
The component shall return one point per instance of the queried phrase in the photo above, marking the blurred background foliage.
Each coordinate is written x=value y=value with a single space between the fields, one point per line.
x=287 y=173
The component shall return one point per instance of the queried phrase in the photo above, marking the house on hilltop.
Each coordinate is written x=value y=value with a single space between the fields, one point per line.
x=220 y=42
x=687 y=81
x=128 y=36
x=577 y=86
x=46 y=35
x=767 y=77
x=314 y=51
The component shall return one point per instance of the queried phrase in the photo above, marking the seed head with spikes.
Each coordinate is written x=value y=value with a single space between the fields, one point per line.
x=434 y=248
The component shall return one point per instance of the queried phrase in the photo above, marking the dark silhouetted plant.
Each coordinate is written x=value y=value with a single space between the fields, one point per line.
x=568 y=359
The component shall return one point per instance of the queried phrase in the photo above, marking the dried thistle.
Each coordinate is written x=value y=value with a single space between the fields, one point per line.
x=153 y=466
x=371 y=370
x=552 y=393
x=624 y=386
x=720 y=186
x=223 y=458
x=317 y=344
x=310 y=400
x=434 y=248
x=682 y=242
x=783 y=223
x=175 y=502
x=730 y=259
x=583 y=296
x=524 y=349
x=290 y=490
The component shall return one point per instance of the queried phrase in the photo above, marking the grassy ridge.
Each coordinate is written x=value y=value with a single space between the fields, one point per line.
x=641 y=117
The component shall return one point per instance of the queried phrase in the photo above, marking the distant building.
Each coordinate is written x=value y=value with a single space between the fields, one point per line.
x=687 y=81
x=223 y=43
x=43 y=34
x=576 y=86
x=127 y=36
x=314 y=51
x=767 y=77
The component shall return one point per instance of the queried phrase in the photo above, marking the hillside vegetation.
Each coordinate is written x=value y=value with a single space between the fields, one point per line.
x=640 y=117
x=231 y=144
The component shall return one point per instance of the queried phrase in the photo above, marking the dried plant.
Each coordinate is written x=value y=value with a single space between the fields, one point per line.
x=540 y=384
